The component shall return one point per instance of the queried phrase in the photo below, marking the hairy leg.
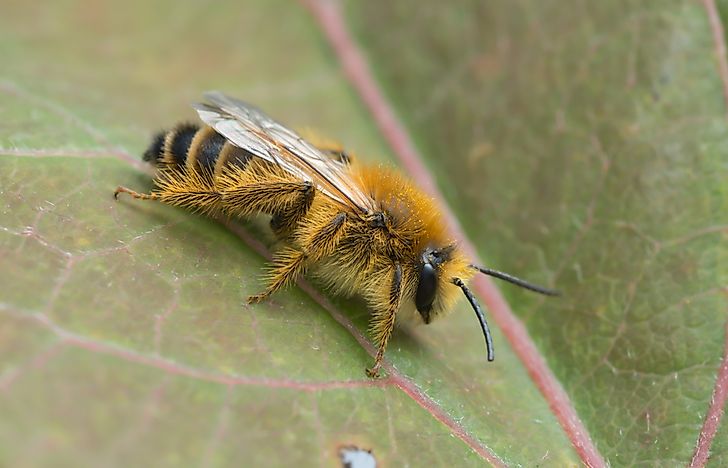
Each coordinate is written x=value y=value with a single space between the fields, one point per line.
x=289 y=263
x=285 y=221
x=236 y=192
x=382 y=322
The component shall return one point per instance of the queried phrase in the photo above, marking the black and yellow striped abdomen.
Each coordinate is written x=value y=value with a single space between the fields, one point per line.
x=202 y=170
x=193 y=147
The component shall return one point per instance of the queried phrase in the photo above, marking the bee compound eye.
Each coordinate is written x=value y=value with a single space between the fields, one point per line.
x=426 y=288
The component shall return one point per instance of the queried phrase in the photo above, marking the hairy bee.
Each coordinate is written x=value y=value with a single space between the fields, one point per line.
x=360 y=228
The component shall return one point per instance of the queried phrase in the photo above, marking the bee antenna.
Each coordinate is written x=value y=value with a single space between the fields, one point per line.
x=517 y=281
x=481 y=316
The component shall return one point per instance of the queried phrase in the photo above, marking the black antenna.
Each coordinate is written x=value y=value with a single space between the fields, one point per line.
x=481 y=317
x=516 y=281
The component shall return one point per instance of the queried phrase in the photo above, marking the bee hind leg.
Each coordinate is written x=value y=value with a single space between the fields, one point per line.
x=284 y=222
x=137 y=195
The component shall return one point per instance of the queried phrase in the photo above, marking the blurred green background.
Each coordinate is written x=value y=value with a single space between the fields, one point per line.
x=580 y=143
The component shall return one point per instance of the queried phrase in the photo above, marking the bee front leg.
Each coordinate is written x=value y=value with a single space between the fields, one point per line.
x=382 y=323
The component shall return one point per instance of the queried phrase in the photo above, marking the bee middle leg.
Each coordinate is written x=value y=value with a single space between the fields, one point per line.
x=382 y=322
x=289 y=263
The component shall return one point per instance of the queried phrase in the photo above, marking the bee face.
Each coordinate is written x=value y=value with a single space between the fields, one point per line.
x=430 y=270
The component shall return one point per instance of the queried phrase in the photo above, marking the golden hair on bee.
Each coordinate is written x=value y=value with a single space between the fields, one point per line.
x=360 y=229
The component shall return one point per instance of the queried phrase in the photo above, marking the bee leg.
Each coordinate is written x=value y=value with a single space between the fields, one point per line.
x=137 y=195
x=285 y=221
x=187 y=188
x=244 y=194
x=289 y=263
x=382 y=323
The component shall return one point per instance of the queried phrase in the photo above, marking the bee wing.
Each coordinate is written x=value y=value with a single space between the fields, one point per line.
x=250 y=128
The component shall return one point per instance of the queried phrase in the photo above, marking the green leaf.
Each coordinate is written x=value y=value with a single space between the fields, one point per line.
x=581 y=146
x=584 y=144
x=124 y=338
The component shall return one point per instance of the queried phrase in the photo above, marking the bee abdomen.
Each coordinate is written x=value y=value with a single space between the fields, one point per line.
x=194 y=147
x=154 y=152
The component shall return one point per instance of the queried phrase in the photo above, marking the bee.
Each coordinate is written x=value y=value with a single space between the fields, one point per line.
x=358 y=228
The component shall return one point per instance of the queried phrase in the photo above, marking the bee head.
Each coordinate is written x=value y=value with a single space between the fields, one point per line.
x=442 y=268
x=430 y=271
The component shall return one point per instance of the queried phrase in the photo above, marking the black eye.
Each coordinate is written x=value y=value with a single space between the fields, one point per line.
x=426 y=290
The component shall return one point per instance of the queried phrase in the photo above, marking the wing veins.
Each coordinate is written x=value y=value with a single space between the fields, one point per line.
x=315 y=170
x=251 y=129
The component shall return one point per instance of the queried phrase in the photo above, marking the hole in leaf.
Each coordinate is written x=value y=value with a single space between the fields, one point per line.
x=354 y=457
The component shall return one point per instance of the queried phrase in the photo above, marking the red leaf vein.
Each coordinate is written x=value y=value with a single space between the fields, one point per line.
x=715 y=412
x=358 y=72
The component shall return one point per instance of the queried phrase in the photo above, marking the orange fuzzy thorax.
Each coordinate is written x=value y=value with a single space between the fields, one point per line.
x=413 y=213
x=417 y=217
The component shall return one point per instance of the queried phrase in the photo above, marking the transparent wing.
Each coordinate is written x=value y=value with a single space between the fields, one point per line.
x=250 y=128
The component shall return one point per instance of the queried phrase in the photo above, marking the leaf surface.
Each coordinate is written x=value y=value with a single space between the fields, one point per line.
x=584 y=146
x=124 y=338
